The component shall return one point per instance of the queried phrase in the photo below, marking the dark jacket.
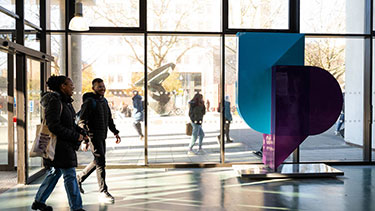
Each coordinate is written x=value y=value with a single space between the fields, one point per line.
x=61 y=123
x=138 y=108
x=96 y=116
x=227 y=113
x=196 y=112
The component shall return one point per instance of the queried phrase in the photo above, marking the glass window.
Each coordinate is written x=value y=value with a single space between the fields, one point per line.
x=243 y=140
x=182 y=15
x=334 y=16
x=8 y=4
x=258 y=14
x=57 y=14
x=3 y=108
x=113 y=13
x=344 y=59
x=7 y=22
x=32 y=10
x=172 y=86
x=93 y=63
x=58 y=53
x=31 y=41
x=33 y=110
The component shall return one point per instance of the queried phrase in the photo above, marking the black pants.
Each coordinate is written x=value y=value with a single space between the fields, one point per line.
x=138 y=128
x=98 y=149
x=226 y=129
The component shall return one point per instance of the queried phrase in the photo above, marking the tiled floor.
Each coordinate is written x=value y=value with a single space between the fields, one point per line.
x=212 y=189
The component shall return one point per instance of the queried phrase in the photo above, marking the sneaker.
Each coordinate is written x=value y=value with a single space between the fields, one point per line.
x=106 y=197
x=40 y=206
x=258 y=153
x=201 y=152
x=229 y=141
x=191 y=152
x=337 y=133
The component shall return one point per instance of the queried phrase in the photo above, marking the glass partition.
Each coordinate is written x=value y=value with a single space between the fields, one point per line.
x=58 y=65
x=32 y=10
x=31 y=41
x=244 y=142
x=118 y=60
x=33 y=111
x=182 y=15
x=344 y=59
x=184 y=67
x=57 y=13
x=3 y=108
x=334 y=16
x=258 y=14
x=114 y=13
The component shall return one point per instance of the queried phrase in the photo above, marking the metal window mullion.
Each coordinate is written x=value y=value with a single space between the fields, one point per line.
x=224 y=22
x=145 y=109
x=10 y=109
x=367 y=84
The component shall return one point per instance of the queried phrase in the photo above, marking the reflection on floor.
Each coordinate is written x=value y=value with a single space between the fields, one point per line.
x=212 y=189
x=167 y=143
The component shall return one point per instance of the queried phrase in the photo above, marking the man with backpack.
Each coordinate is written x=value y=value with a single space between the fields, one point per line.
x=95 y=116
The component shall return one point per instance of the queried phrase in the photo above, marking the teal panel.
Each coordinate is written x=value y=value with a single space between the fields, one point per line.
x=257 y=53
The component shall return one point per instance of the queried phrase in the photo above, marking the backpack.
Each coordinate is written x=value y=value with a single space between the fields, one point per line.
x=78 y=114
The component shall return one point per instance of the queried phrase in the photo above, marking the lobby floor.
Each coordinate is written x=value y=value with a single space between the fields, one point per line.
x=211 y=189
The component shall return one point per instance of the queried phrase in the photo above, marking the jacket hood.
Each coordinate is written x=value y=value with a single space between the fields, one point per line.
x=137 y=97
x=89 y=95
x=48 y=96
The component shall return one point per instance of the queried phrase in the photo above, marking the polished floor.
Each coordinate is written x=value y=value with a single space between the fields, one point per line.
x=212 y=189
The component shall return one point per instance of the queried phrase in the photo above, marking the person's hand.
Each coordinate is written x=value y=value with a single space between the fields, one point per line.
x=118 y=139
x=85 y=146
x=80 y=137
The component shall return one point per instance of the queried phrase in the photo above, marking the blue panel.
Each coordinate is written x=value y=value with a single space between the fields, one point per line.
x=257 y=53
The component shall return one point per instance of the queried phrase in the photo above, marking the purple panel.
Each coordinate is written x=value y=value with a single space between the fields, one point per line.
x=305 y=101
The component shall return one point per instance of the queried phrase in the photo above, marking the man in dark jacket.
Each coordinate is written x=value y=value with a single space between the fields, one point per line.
x=138 y=113
x=96 y=117
x=59 y=115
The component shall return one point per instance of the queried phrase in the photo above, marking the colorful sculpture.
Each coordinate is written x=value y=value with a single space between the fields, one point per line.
x=278 y=96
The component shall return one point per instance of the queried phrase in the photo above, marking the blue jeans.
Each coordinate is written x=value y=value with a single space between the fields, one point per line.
x=340 y=122
x=70 y=183
x=197 y=132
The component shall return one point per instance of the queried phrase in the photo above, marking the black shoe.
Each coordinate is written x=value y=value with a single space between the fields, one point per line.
x=40 y=206
x=80 y=210
x=229 y=141
x=258 y=153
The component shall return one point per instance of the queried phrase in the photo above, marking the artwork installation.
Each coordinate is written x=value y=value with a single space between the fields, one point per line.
x=280 y=97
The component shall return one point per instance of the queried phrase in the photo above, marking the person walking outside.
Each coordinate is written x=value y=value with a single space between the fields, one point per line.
x=196 y=112
x=228 y=119
x=60 y=119
x=96 y=117
x=138 y=113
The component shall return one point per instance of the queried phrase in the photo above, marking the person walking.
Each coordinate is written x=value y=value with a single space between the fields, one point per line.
x=60 y=119
x=196 y=112
x=228 y=119
x=138 y=113
x=96 y=117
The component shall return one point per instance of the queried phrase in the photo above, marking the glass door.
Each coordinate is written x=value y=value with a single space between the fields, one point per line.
x=6 y=112
x=33 y=96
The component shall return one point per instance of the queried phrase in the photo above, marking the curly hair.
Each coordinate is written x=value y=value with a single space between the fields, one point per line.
x=54 y=82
